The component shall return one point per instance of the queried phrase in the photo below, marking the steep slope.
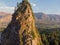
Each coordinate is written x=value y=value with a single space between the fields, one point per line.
x=22 y=29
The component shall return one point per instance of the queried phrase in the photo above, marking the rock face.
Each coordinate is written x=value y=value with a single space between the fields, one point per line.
x=21 y=30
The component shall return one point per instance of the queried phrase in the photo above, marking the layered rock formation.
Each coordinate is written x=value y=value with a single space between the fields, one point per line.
x=21 y=30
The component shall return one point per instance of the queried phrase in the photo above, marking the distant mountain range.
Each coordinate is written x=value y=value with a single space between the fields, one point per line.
x=42 y=19
x=48 y=17
x=47 y=20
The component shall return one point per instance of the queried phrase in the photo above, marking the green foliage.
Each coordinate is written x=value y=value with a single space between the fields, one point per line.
x=33 y=34
x=1 y=29
x=50 y=36
x=21 y=40
x=44 y=39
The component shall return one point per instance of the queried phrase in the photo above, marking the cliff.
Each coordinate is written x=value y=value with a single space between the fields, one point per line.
x=21 y=30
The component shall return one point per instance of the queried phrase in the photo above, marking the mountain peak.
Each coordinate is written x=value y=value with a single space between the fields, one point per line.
x=22 y=29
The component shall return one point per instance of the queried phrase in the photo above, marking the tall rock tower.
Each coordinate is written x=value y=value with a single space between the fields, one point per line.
x=21 y=30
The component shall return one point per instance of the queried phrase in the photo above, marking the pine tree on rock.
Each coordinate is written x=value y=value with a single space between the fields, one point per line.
x=22 y=30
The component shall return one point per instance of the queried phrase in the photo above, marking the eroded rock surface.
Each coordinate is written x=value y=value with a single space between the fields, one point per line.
x=21 y=30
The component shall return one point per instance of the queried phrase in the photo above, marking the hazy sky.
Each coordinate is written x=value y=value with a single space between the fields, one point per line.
x=46 y=6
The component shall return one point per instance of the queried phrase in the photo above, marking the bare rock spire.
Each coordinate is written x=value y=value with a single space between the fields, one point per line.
x=22 y=29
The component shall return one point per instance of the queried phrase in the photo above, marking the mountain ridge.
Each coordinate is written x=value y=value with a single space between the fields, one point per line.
x=41 y=18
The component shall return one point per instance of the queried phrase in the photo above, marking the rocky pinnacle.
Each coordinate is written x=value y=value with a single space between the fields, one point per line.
x=21 y=30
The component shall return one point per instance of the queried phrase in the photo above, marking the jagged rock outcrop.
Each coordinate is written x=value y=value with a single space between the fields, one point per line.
x=21 y=30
